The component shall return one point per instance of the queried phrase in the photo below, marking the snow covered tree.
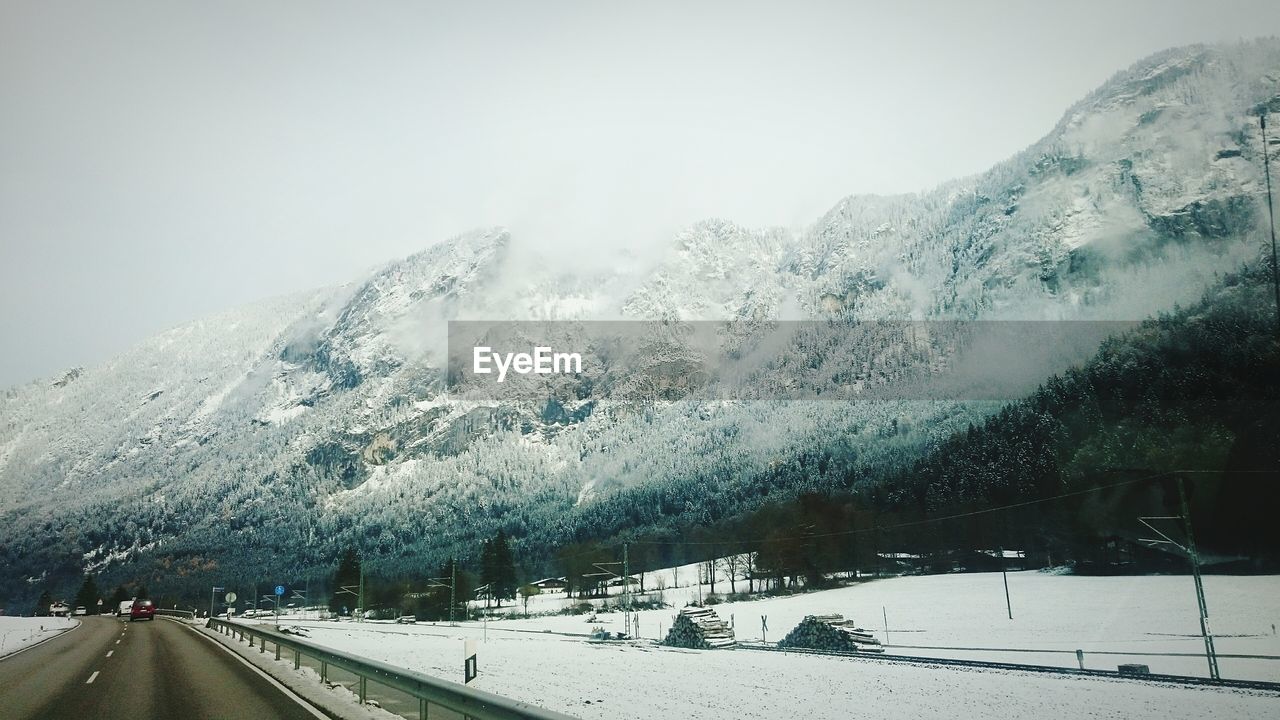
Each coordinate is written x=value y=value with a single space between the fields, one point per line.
x=498 y=569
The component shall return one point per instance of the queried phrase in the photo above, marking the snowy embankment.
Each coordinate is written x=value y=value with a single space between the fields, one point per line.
x=17 y=633
x=533 y=660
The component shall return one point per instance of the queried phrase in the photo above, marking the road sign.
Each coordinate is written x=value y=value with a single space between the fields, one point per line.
x=469 y=669
x=99 y=601
x=279 y=590
x=230 y=598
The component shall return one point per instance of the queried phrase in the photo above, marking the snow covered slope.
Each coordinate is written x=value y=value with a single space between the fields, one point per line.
x=270 y=435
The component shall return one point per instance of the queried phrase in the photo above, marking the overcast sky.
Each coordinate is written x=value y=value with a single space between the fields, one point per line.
x=163 y=160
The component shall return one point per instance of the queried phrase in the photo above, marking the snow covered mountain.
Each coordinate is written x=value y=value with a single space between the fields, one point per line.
x=261 y=439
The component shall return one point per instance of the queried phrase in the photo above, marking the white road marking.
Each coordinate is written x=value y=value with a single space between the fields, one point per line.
x=117 y=642
x=109 y=652
x=92 y=677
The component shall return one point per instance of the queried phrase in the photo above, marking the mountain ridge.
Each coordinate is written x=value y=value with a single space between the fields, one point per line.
x=325 y=412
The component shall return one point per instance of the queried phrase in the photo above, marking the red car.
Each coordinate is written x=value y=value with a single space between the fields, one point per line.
x=142 y=610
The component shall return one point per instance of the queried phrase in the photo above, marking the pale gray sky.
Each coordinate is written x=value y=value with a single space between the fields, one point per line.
x=163 y=160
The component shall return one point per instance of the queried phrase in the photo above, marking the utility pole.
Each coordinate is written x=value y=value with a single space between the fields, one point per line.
x=1210 y=653
x=453 y=584
x=1271 y=212
x=626 y=591
x=1005 y=574
x=1206 y=632
x=361 y=597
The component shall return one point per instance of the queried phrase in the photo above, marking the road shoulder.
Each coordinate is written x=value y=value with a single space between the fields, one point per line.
x=336 y=702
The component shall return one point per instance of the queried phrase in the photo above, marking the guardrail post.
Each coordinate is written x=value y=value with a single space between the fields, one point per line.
x=425 y=690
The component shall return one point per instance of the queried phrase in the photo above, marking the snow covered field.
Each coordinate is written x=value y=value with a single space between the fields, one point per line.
x=1147 y=614
x=536 y=661
x=17 y=633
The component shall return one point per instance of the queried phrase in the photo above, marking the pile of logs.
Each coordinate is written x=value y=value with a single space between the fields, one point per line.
x=830 y=632
x=699 y=628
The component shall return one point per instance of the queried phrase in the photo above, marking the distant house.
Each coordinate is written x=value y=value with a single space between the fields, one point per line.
x=984 y=560
x=898 y=562
x=1008 y=559
x=557 y=584
x=1121 y=555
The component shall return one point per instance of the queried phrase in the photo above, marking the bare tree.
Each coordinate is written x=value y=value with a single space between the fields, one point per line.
x=731 y=563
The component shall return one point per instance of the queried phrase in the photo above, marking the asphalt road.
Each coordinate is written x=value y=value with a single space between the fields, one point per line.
x=107 y=668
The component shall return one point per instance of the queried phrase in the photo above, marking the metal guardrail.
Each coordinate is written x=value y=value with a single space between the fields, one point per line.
x=428 y=690
x=1051 y=669
x=184 y=614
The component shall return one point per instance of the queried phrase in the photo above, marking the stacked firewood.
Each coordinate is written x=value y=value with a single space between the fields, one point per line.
x=830 y=632
x=699 y=628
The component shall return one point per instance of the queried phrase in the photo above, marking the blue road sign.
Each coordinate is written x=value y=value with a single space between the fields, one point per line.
x=279 y=590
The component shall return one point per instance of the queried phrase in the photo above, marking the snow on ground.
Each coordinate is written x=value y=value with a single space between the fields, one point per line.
x=612 y=682
x=545 y=661
x=1137 y=614
x=17 y=633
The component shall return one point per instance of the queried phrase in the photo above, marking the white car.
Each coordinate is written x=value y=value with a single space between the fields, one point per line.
x=80 y=610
